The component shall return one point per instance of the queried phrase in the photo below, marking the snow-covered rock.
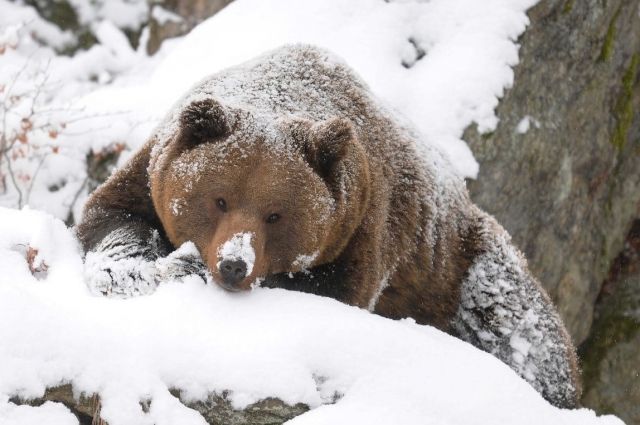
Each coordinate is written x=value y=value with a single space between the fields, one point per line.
x=200 y=339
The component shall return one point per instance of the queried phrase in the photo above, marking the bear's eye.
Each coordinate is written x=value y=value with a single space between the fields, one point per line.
x=221 y=204
x=273 y=218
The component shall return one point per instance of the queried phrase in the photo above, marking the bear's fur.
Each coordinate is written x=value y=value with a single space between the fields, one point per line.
x=292 y=156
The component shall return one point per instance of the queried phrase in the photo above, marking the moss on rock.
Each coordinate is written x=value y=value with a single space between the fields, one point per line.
x=623 y=111
x=609 y=38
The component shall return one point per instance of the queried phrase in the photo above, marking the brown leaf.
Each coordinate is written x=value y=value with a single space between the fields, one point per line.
x=26 y=124
x=119 y=147
x=32 y=253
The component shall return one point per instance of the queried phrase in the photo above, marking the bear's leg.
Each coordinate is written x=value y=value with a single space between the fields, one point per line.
x=132 y=260
x=122 y=263
x=506 y=312
x=126 y=250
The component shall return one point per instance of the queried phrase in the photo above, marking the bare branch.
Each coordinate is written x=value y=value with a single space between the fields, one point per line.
x=33 y=178
x=13 y=178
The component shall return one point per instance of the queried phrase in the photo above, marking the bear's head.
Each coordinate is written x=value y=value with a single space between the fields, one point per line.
x=258 y=195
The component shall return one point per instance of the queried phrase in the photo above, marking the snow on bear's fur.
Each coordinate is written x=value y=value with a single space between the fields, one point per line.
x=294 y=152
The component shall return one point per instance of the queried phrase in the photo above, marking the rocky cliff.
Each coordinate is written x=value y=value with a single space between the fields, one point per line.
x=562 y=170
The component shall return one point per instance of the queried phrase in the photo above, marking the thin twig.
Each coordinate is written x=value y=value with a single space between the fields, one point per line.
x=13 y=179
x=33 y=178
x=77 y=195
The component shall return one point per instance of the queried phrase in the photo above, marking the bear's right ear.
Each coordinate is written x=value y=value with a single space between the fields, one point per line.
x=203 y=121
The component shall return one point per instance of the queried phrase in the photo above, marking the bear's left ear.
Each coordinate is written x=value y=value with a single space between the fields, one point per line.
x=333 y=150
x=328 y=144
x=202 y=121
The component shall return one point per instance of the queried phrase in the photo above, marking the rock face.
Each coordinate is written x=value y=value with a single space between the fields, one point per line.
x=171 y=18
x=562 y=170
x=562 y=173
x=611 y=355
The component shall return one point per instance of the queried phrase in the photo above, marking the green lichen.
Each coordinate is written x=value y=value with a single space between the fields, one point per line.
x=488 y=135
x=568 y=6
x=616 y=323
x=609 y=38
x=623 y=112
x=609 y=332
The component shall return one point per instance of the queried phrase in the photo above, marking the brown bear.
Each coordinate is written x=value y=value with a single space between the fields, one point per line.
x=287 y=172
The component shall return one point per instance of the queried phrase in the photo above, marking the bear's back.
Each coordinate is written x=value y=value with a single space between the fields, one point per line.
x=309 y=82
x=299 y=80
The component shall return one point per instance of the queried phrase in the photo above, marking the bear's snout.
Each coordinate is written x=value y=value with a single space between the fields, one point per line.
x=232 y=272
x=233 y=261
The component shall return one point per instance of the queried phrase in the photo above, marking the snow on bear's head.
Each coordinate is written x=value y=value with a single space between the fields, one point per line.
x=256 y=194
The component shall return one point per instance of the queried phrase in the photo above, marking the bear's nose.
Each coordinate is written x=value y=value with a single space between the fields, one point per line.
x=232 y=271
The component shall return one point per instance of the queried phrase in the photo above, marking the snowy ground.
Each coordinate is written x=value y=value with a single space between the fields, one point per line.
x=443 y=63
x=199 y=338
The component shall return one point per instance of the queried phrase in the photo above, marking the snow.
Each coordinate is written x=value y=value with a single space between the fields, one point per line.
x=49 y=413
x=162 y=15
x=123 y=13
x=16 y=18
x=176 y=206
x=239 y=247
x=200 y=339
x=304 y=261
x=525 y=123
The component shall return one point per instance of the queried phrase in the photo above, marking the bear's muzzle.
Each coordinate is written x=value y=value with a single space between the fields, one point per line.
x=232 y=272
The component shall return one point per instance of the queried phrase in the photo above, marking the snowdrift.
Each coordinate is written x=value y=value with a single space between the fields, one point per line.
x=348 y=365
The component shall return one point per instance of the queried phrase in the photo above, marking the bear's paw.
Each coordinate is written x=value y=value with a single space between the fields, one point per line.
x=183 y=262
x=120 y=278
